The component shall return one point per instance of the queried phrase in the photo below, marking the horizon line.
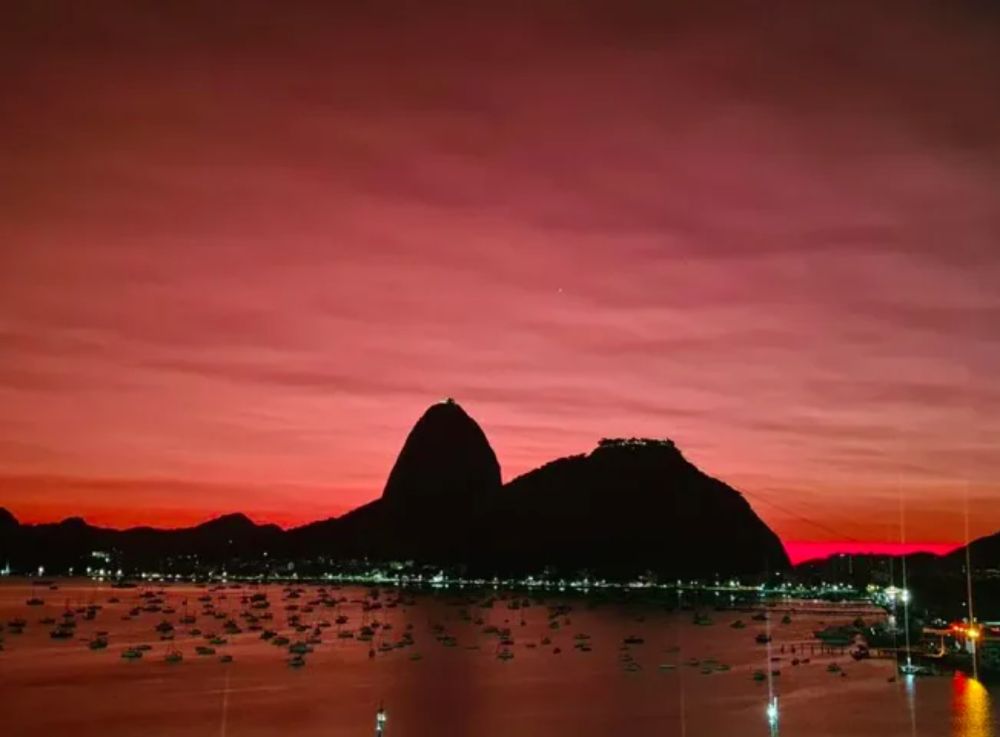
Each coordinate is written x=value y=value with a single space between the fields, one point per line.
x=798 y=550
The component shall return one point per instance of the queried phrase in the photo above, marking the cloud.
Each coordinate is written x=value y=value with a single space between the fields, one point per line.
x=259 y=244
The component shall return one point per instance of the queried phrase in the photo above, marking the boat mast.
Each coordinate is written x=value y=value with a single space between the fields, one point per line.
x=968 y=587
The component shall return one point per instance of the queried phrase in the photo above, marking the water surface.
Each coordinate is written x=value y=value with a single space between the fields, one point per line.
x=450 y=688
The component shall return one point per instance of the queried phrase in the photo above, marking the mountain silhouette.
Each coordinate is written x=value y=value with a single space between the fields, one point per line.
x=445 y=475
x=627 y=507
x=446 y=460
x=71 y=542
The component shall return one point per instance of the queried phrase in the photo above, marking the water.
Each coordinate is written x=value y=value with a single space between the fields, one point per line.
x=60 y=687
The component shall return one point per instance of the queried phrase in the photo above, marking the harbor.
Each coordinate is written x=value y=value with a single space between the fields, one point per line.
x=250 y=659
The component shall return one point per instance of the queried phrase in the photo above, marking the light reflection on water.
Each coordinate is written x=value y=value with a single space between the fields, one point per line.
x=462 y=691
x=971 y=708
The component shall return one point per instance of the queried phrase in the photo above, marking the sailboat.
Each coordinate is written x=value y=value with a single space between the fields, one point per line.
x=909 y=668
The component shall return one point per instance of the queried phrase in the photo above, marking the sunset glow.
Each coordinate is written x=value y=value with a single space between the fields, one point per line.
x=232 y=275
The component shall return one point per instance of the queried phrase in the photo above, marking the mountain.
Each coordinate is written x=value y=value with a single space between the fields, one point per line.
x=445 y=475
x=627 y=507
x=446 y=460
x=8 y=533
x=7 y=520
x=984 y=552
x=72 y=543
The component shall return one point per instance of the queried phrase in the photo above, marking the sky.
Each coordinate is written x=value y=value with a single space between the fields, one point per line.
x=243 y=247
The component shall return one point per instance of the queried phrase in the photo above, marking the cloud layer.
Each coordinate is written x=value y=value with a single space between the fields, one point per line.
x=246 y=250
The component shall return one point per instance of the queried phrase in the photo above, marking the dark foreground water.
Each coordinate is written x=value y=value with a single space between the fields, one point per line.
x=683 y=679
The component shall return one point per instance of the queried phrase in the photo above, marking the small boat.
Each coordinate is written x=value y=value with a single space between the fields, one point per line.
x=633 y=640
x=739 y=624
x=762 y=638
x=174 y=656
x=132 y=653
x=98 y=643
x=911 y=669
x=35 y=601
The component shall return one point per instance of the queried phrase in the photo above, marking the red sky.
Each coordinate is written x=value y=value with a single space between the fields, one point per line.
x=242 y=247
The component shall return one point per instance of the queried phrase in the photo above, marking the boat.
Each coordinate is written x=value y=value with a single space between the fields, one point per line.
x=739 y=624
x=913 y=669
x=860 y=652
x=174 y=656
x=762 y=638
